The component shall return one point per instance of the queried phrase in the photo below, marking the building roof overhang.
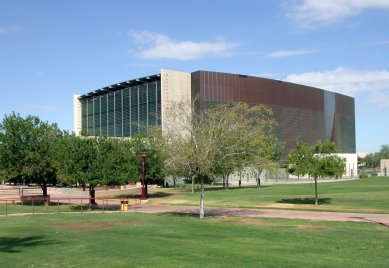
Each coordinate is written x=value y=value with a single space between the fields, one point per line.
x=121 y=85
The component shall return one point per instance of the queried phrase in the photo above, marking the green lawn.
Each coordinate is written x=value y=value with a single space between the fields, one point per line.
x=53 y=207
x=369 y=195
x=165 y=240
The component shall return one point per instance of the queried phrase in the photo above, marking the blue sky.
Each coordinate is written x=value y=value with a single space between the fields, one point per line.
x=50 y=50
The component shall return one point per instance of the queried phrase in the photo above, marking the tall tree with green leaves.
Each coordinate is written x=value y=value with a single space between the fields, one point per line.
x=116 y=161
x=171 y=151
x=265 y=153
x=154 y=171
x=217 y=140
x=78 y=160
x=371 y=160
x=384 y=152
x=25 y=150
x=317 y=161
x=299 y=159
x=246 y=138
x=93 y=161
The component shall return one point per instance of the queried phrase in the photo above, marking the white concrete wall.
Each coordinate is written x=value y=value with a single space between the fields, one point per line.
x=175 y=87
x=384 y=167
x=351 y=165
x=76 y=115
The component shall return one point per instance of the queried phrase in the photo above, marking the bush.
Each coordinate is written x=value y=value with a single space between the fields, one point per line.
x=363 y=176
x=374 y=174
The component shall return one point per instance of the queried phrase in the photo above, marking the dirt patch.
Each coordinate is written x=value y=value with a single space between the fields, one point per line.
x=299 y=206
x=88 y=226
x=175 y=191
x=240 y=221
x=321 y=207
x=169 y=202
x=131 y=222
x=244 y=221
x=258 y=222
x=278 y=205
x=85 y=226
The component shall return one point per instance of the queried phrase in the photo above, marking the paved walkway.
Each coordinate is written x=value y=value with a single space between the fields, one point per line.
x=382 y=219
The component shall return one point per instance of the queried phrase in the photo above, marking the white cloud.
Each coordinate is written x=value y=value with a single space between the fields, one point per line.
x=321 y=12
x=374 y=84
x=157 y=46
x=289 y=53
x=379 y=98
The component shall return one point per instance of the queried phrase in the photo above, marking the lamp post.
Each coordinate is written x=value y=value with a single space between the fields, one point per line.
x=143 y=156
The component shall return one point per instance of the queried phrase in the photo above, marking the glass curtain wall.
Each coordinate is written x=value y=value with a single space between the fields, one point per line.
x=124 y=112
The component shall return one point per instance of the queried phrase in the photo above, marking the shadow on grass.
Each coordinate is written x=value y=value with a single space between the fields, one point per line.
x=95 y=207
x=182 y=214
x=368 y=220
x=150 y=195
x=231 y=188
x=308 y=201
x=17 y=244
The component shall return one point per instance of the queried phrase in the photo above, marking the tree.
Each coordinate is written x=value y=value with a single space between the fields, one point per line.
x=246 y=139
x=214 y=141
x=384 y=152
x=154 y=163
x=372 y=160
x=316 y=161
x=78 y=160
x=25 y=150
x=299 y=159
x=169 y=152
x=93 y=161
x=266 y=153
x=115 y=161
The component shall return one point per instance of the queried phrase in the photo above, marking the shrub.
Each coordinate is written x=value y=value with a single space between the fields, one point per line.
x=363 y=176
x=374 y=174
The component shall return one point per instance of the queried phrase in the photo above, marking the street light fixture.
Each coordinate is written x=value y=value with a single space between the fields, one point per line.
x=143 y=156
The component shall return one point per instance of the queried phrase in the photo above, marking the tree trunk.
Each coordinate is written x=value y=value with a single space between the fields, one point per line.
x=224 y=182
x=174 y=181
x=316 y=199
x=259 y=179
x=193 y=185
x=202 y=199
x=92 y=195
x=44 y=192
x=44 y=189
x=227 y=182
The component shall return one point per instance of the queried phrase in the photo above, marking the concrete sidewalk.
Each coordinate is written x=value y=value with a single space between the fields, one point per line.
x=382 y=219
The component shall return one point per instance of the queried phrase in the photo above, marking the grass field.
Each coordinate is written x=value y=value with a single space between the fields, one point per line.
x=170 y=240
x=369 y=195
x=61 y=205
x=165 y=240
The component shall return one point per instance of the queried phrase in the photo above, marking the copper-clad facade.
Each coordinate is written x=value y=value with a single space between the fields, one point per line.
x=303 y=113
